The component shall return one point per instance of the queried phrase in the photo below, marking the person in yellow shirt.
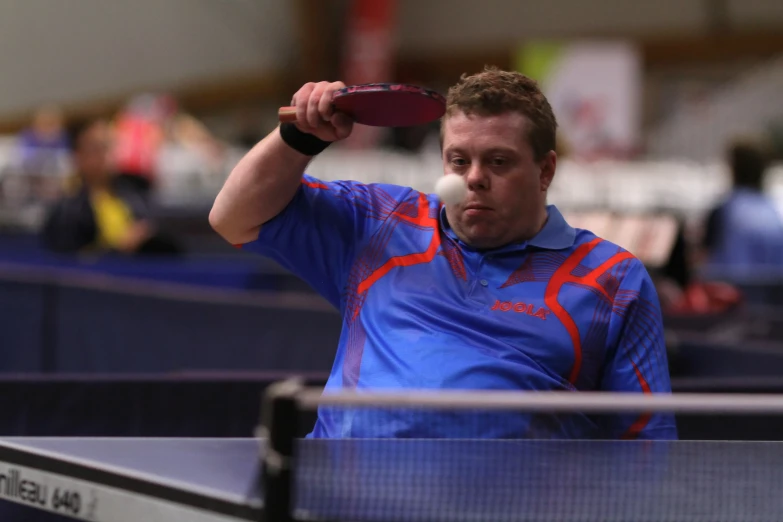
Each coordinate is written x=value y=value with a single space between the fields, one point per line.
x=97 y=215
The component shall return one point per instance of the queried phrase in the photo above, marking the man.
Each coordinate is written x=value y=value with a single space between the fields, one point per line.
x=744 y=233
x=496 y=292
x=44 y=144
x=97 y=216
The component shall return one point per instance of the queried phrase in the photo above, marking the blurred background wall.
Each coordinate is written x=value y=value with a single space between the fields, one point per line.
x=92 y=51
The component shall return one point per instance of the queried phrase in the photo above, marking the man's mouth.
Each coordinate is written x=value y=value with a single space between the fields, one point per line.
x=476 y=209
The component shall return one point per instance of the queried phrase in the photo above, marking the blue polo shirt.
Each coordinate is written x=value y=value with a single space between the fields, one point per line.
x=565 y=310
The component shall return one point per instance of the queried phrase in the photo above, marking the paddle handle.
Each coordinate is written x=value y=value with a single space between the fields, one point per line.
x=286 y=114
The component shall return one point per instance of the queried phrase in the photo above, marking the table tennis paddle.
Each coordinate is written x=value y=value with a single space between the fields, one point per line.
x=383 y=105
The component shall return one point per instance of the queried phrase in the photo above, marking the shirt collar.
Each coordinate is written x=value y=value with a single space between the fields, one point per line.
x=557 y=234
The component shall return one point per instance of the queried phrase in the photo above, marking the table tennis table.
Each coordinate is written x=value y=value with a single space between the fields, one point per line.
x=152 y=479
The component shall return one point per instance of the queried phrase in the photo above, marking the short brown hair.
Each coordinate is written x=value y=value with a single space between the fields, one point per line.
x=749 y=158
x=493 y=91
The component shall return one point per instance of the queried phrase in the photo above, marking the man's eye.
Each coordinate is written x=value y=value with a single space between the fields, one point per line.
x=498 y=162
x=458 y=162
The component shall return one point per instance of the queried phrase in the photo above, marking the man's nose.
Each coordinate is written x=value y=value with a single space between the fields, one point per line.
x=476 y=177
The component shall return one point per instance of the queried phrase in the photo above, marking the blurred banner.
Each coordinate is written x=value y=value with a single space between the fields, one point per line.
x=595 y=91
x=369 y=55
x=648 y=236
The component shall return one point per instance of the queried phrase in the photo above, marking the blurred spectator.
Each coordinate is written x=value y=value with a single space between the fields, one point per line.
x=184 y=130
x=149 y=124
x=41 y=160
x=745 y=231
x=139 y=136
x=98 y=215
x=44 y=145
x=743 y=236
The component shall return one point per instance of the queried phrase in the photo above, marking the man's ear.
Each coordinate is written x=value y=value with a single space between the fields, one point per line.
x=548 y=166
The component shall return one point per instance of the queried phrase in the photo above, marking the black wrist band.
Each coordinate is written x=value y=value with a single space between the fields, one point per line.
x=300 y=141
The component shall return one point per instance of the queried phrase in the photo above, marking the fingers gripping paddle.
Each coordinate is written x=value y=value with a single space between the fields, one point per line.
x=383 y=105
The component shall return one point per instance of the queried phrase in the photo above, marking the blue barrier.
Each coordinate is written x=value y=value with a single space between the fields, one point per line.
x=64 y=321
x=23 y=335
x=239 y=271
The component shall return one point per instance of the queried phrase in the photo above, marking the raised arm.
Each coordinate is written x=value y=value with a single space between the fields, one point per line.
x=265 y=181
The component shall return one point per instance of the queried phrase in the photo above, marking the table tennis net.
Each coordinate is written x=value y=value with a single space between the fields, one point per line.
x=480 y=461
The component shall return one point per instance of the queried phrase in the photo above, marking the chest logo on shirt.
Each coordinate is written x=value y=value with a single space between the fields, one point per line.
x=520 y=308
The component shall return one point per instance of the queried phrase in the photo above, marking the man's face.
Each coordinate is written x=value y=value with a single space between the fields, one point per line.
x=506 y=198
x=92 y=154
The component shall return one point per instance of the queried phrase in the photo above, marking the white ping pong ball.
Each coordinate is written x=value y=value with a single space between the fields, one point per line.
x=451 y=188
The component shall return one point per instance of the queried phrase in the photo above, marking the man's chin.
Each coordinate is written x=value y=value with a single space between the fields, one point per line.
x=481 y=237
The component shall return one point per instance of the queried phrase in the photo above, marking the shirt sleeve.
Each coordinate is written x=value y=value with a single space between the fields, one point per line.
x=317 y=235
x=637 y=360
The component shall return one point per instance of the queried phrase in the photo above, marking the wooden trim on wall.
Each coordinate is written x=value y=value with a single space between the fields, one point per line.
x=711 y=48
x=317 y=46
x=195 y=98
x=436 y=69
x=658 y=51
x=449 y=66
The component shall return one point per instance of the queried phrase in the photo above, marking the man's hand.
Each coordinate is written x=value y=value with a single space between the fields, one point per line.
x=315 y=114
x=137 y=234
